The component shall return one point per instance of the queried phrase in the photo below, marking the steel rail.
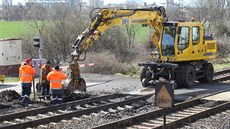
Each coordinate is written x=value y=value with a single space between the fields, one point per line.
x=59 y=117
x=55 y=107
x=219 y=76
x=156 y=113
x=218 y=108
x=219 y=72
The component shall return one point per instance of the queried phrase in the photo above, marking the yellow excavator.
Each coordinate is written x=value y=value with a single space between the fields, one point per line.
x=183 y=51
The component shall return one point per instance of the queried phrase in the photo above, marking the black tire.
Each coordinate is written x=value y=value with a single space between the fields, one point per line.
x=185 y=76
x=179 y=76
x=143 y=76
x=143 y=73
x=189 y=76
x=208 y=74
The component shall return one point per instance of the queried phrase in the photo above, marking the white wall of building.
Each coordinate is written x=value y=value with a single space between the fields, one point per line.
x=10 y=52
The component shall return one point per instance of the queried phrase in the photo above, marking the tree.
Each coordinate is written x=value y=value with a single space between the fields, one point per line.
x=214 y=14
x=7 y=9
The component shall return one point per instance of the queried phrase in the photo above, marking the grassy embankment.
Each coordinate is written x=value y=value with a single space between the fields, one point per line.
x=221 y=66
x=12 y=29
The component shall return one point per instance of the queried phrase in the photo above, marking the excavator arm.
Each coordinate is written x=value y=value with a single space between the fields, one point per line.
x=105 y=18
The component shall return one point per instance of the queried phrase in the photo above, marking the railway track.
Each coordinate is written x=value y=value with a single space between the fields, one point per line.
x=182 y=112
x=222 y=75
x=68 y=110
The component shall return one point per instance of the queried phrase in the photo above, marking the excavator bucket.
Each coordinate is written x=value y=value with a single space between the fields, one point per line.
x=75 y=82
x=69 y=87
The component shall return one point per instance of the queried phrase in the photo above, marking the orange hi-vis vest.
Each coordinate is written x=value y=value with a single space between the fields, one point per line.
x=55 y=78
x=44 y=72
x=26 y=73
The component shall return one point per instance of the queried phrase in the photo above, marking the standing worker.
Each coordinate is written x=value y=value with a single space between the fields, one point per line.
x=26 y=74
x=55 y=77
x=45 y=84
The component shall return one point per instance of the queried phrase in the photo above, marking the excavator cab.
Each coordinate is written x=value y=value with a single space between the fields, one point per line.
x=168 y=40
x=183 y=44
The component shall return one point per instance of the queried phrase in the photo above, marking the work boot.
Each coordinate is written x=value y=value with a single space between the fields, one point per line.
x=47 y=97
x=41 y=97
x=24 y=104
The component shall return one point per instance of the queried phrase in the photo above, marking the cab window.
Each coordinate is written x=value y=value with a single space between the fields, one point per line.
x=195 y=35
x=183 y=37
x=168 y=38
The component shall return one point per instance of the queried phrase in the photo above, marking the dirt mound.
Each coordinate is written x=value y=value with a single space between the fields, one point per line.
x=9 y=96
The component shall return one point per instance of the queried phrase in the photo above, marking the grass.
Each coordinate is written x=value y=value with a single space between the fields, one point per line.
x=16 y=79
x=141 y=33
x=12 y=29
x=11 y=79
x=221 y=63
x=221 y=66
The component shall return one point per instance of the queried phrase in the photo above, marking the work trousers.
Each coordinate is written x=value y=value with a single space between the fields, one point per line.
x=56 y=96
x=26 y=90
x=45 y=89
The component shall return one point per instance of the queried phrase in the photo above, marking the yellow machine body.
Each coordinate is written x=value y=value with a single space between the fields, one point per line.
x=195 y=47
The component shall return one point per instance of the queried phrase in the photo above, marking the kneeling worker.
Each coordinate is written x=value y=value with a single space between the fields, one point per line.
x=55 y=77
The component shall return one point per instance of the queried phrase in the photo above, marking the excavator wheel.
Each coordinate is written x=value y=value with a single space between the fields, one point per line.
x=208 y=75
x=69 y=88
x=145 y=76
x=179 y=76
x=189 y=76
x=185 y=76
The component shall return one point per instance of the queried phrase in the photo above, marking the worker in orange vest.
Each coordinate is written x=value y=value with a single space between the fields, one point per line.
x=55 y=77
x=26 y=74
x=45 y=84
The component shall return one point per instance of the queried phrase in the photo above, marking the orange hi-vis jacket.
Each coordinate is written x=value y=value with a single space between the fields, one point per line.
x=44 y=72
x=55 y=78
x=26 y=73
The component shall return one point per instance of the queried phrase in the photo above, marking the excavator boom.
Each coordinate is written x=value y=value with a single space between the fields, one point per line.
x=106 y=18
